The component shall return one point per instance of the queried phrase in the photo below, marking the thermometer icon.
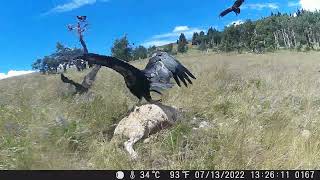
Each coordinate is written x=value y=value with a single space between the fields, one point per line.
x=132 y=176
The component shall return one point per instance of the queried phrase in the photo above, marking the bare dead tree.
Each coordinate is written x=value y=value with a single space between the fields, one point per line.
x=89 y=79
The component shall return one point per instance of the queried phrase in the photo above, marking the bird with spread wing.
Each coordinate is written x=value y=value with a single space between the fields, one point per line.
x=235 y=8
x=79 y=88
x=155 y=77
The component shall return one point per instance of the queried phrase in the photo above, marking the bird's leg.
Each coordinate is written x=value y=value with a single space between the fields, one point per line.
x=151 y=101
x=155 y=101
x=136 y=105
x=159 y=100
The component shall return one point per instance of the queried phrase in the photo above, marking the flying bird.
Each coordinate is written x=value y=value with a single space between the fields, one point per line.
x=155 y=77
x=79 y=87
x=235 y=8
x=82 y=18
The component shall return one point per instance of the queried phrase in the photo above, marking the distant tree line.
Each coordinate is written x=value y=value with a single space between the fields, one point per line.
x=299 y=31
x=123 y=50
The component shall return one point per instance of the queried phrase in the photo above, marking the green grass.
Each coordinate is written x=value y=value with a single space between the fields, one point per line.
x=264 y=112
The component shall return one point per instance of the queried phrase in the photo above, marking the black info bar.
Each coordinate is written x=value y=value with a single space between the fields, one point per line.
x=159 y=174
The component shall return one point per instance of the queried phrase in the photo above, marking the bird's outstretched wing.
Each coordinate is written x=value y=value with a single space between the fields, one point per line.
x=129 y=72
x=235 y=8
x=225 y=12
x=162 y=67
x=79 y=87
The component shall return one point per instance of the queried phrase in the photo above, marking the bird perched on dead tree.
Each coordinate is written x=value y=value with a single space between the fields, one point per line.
x=89 y=79
x=82 y=18
x=235 y=8
x=155 y=77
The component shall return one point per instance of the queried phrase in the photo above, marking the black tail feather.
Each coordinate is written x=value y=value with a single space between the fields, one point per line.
x=177 y=80
x=189 y=73
x=187 y=78
x=181 y=77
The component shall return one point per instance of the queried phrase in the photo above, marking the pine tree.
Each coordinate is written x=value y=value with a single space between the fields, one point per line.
x=121 y=49
x=195 y=38
x=140 y=53
x=182 y=44
x=203 y=46
x=202 y=37
x=210 y=37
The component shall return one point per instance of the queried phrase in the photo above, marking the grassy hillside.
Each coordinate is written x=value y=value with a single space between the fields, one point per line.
x=264 y=112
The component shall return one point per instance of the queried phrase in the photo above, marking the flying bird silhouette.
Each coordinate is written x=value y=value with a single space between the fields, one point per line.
x=155 y=77
x=235 y=8
x=79 y=88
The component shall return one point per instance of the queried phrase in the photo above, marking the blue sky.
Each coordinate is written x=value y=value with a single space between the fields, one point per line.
x=30 y=28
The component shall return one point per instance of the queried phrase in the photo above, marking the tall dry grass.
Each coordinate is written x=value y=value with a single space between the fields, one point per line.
x=263 y=111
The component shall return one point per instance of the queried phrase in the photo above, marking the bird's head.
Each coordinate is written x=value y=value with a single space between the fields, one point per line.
x=159 y=54
x=86 y=57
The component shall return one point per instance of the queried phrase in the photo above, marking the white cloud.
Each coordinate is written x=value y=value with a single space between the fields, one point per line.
x=181 y=28
x=310 y=5
x=12 y=73
x=72 y=4
x=188 y=33
x=261 y=6
x=156 y=43
x=166 y=38
x=236 y=23
x=293 y=4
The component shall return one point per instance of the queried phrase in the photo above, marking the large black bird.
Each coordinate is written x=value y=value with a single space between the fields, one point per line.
x=235 y=8
x=155 y=77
